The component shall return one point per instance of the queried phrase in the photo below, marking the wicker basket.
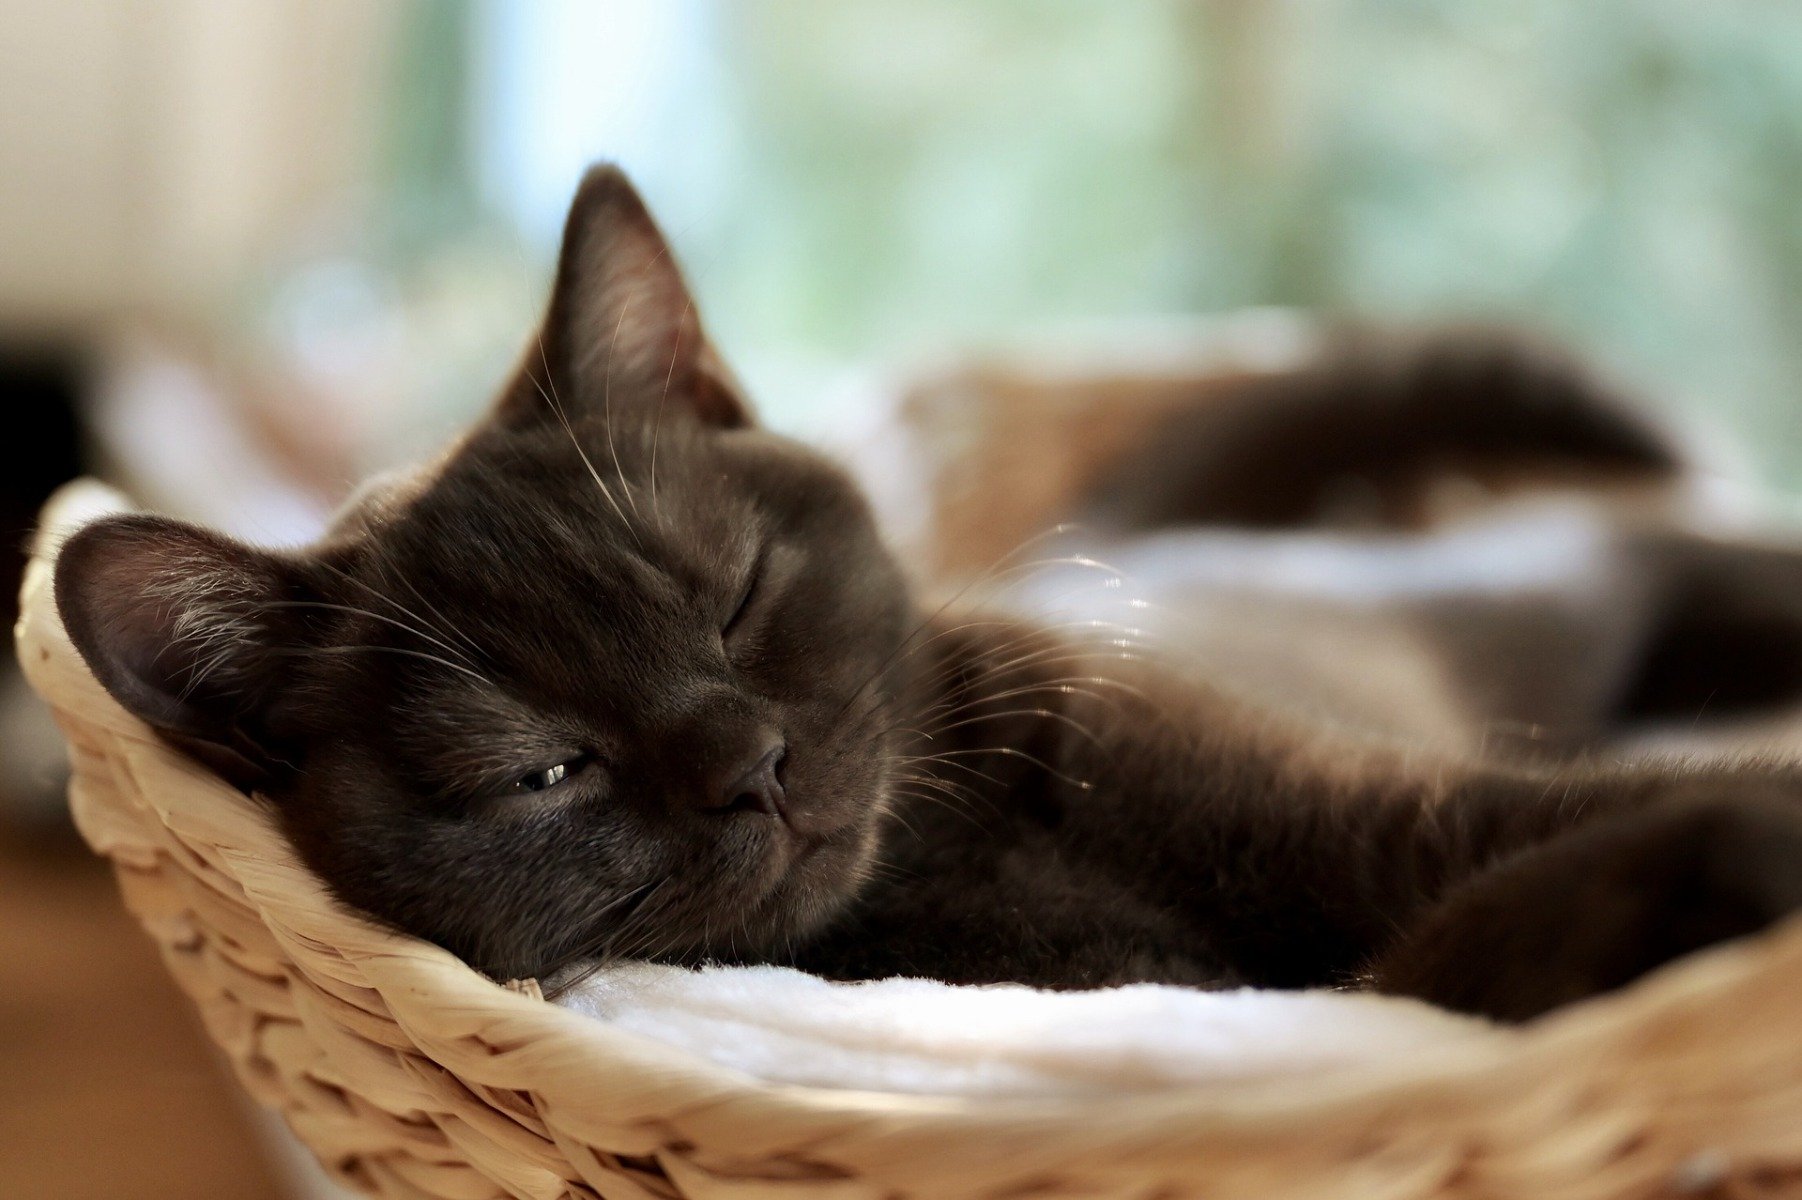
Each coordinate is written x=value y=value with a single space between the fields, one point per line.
x=411 y=1075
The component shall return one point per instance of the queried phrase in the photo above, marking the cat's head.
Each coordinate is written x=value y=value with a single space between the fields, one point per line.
x=608 y=677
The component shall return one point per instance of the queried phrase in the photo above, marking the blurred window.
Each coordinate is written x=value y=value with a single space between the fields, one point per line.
x=858 y=178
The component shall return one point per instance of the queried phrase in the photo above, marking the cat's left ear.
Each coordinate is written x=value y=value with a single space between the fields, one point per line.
x=190 y=631
x=622 y=329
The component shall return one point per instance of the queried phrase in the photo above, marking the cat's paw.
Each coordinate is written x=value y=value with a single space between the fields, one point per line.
x=1603 y=905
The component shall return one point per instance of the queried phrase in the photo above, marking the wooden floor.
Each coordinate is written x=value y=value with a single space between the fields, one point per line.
x=107 y=1088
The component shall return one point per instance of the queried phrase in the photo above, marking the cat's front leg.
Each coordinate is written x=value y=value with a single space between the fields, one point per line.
x=1601 y=905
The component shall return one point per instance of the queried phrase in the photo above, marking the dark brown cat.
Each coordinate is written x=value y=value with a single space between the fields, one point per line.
x=625 y=675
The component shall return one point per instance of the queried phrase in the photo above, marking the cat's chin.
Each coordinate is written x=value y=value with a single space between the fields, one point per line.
x=809 y=881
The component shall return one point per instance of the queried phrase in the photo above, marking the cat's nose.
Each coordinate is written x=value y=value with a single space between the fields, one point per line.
x=757 y=787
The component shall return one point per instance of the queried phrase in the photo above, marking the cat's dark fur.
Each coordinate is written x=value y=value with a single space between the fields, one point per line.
x=772 y=756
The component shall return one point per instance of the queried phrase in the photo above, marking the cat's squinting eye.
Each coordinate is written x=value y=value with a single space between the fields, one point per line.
x=546 y=778
x=743 y=606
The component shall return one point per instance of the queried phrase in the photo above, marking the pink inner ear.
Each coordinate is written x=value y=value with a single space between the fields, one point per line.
x=622 y=324
x=633 y=321
x=163 y=614
x=716 y=394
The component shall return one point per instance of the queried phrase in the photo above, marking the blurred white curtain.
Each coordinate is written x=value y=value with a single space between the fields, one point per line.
x=151 y=148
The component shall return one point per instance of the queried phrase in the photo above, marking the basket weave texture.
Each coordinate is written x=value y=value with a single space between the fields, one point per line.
x=408 y=1074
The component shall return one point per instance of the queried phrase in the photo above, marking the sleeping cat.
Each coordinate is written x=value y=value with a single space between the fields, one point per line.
x=623 y=675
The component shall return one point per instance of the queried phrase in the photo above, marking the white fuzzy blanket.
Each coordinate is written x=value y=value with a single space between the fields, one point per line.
x=912 y=1035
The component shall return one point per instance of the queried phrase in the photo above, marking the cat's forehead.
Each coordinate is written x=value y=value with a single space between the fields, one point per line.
x=554 y=511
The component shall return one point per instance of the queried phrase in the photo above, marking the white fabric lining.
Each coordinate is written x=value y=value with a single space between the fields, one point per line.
x=923 y=1037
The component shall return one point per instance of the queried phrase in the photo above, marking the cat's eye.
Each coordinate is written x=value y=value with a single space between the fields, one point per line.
x=546 y=778
x=743 y=607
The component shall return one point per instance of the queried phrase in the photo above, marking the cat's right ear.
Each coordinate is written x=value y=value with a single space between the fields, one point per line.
x=621 y=332
x=186 y=629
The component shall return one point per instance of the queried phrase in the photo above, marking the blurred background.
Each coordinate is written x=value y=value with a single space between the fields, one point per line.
x=250 y=252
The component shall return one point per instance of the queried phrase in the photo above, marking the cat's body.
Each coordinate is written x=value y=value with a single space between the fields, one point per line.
x=624 y=675
x=1083 y=821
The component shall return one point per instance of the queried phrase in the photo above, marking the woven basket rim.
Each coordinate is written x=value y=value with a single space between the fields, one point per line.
x=431 y=992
